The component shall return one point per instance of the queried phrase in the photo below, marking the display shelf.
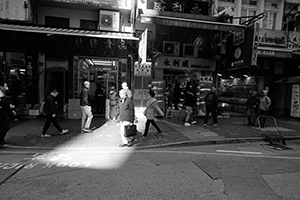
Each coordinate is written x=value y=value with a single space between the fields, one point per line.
x=158 y=87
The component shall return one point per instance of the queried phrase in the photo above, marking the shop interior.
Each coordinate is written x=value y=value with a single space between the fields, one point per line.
x=102 y=73
x=176 y=84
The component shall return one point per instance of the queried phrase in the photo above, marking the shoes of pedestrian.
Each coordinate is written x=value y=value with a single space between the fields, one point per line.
x=123 y=145
x=131 y=143
x=64 y=131
x=143 y=137
x=87 y=130
x=215 y=125
x=158 y=133
x=45 y=136
x=194 y=122
x=187 y=124
x=205 y=125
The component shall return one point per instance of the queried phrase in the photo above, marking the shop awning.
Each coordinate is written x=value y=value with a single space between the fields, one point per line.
x=67 y=31
x=294 y=79
x=190 y=23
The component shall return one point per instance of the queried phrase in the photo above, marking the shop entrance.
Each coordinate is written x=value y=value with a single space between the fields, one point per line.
x=56 y=79
x=102 y=73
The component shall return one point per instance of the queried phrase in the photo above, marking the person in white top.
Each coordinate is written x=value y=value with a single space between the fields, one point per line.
x=264 y=106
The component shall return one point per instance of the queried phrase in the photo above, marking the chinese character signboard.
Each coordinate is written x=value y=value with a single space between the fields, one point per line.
x=182 y=62
x=295 y=101
x=241 y=48
x=206 y=79
x=142 y=69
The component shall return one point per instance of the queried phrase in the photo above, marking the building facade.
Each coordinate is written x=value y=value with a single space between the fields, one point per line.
x=53 y=43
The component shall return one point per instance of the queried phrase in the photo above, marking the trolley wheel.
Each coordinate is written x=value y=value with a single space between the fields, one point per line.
x=283 y=142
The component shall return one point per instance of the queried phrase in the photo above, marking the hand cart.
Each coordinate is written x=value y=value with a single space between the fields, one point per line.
x=269 y=135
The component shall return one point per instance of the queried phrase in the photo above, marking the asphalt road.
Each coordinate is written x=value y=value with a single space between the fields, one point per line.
x=233 y=171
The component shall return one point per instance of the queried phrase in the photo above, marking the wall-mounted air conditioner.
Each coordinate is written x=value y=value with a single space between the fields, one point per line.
x=190 y=50
x=109 y=20
x=171 y=48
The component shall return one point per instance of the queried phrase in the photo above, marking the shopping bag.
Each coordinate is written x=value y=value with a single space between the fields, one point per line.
x=130 y=130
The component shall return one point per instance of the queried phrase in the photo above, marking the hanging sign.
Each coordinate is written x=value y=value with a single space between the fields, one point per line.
x=142 y=69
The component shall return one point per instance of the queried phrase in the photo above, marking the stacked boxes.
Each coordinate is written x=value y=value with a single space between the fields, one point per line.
x=74 y=111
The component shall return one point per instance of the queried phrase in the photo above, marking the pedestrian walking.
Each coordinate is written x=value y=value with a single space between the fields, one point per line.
x=264 y=106
x=150 y=111
x=6 y=112
x=252 y=106
x=50 y=111
x=126 y=116
x=113 y=103
x=211 y=102
x=190 y=104
x=86 y=108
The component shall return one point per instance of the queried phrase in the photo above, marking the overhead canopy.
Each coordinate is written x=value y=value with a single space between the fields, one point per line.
x=67 y=31
x=191 y=23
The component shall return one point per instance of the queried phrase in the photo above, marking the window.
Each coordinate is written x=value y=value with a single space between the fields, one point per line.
x=231 y=1
x=88 y=24
x=57 y=22
x=249 y=2
x=269 y=21
x=247 y=14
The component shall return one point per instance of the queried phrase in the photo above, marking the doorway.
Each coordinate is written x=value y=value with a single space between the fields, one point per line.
x=57 y=79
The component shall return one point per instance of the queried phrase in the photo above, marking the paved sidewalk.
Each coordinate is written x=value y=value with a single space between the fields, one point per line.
x=106 y=135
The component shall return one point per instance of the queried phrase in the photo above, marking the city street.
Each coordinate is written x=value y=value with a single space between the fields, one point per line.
x=226 y=171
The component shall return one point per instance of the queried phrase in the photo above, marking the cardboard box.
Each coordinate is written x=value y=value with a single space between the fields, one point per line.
x=74 y=104
x=74 y=114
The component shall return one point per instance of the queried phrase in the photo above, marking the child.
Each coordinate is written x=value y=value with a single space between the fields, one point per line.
x=149 y=112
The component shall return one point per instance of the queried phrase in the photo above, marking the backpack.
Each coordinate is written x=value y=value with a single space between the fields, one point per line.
x=210 y=100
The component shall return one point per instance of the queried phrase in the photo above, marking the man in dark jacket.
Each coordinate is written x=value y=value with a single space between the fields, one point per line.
x=6 y=111
x=211 y=102
x=86 y=109
x=126 y=116
x=252 y=106
x=50 y=111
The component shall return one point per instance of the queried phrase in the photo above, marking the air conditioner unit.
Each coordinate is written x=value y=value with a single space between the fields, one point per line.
x=190 y=50
x=171 y=48
x=109 y=20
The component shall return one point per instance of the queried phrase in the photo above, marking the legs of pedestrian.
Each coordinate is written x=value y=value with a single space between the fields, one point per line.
x=156 y=127
x=87 y=117
x=214 y=115
x=46 y=126
x=206 y=117
x=147 y=125
x=125 y=140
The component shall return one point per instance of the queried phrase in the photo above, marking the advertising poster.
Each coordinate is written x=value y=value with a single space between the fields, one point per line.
x=295 y=101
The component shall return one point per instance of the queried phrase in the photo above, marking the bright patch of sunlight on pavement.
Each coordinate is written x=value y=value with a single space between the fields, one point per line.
x=97 y=150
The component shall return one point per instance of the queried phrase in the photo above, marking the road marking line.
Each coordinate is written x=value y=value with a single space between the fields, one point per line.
x=241 y=152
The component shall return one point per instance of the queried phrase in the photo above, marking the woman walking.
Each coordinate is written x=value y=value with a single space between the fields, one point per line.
x=126 y=117
x=151 y=109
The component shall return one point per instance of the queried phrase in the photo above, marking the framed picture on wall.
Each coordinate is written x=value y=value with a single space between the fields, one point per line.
x=92 y=77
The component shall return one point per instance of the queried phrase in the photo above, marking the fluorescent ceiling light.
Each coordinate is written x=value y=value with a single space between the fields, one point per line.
x=231 y=77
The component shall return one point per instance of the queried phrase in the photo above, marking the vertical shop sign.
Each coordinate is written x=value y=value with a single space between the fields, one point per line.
x=295 y=101
x=143 y=47
x=237 y=48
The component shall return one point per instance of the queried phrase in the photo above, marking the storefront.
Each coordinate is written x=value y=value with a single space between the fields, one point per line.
x=64 y=58
x=175 y=74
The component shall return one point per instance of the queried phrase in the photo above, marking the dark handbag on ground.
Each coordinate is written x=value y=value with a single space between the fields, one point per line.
x=130 y=130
